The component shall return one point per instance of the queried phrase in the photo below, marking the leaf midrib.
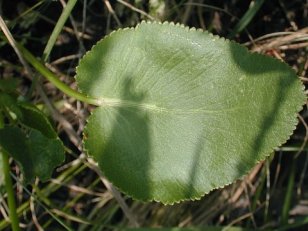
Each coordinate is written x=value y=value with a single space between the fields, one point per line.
x=112 y=102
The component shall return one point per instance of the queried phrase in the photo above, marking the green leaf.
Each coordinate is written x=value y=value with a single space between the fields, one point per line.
x=9 y=104
x=35 y=118
x=36 y=154
x=182 y=111
x=9 y=85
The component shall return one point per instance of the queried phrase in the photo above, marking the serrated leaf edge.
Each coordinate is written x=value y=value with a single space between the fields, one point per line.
x=168 y=202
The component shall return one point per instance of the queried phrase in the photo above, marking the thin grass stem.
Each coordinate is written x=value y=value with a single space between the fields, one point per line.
x=246 y=19
x=59 y=26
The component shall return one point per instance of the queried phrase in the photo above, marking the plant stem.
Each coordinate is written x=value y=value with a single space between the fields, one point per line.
x=54 y=79
x=44 y=71
x=10 y=192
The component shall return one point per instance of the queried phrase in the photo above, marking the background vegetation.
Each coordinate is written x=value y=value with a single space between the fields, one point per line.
x=272 y=196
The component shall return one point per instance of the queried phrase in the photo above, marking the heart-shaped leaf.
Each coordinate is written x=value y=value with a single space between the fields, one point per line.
x=182 y=111
x=36 y=154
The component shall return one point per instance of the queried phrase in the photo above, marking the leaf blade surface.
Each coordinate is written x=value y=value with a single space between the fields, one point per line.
x=36 y=154
x=183 y=111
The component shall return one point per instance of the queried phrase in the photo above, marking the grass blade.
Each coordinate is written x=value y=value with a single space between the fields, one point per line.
x=56 y=31
x=288 y=196
x=246 y=19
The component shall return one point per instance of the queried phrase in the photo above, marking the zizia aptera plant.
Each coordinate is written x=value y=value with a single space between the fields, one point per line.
x=180 y=112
